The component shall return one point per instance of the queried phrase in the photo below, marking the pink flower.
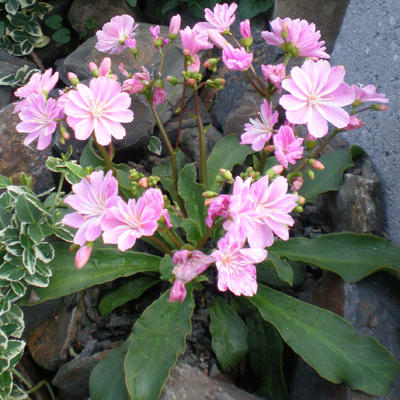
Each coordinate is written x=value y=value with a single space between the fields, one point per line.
x=137 y=83
x=288 y=148
x=187 y=265
x=92 y=196
x=354 y=123
x=297 y=183
x=193 y=41
x=274 y=74
x=317 y=93
x=112 y=36
x=126 y=222
x=123 y=71
x=37 y=84
x=174 y=26
x=103 y=70
x=82 y=256
x=217 y=39
x=235 y=265
x=220 y=19
x=297 y=37
x=160 y=96
x=245 y=29
x=236 y=59
x=218 y=208
x=38 y=120
x=158 y=41
x=363 y=94
x=101 y=108
x=195 y=64
x=154 y=199
x=258 y=132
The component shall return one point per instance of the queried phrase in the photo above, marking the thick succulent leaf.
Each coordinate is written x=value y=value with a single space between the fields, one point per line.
x=229 y=334
x=127 y=292
x=330 y=178
x=350 y=255
x=328 y=343
x=167 y=324
x=226 y=154
x=105 y=264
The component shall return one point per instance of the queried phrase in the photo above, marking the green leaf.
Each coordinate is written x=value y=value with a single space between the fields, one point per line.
x=26 y=3
x=105 y=264
x=330 y=178
x=328 y=343
x=29 y=260
x=251 y=8
x=229 y=334
x=191 y=192
x=166 y=267
x=73 y=171
x=127 y=292
x=107 y=380
x=42 y=41
x=89 y=157
x=2 y=27
x=132 y=3
x=167 y=324
x=44 y=252
x=4 y=181
x=54 y=21
x=12 y=6
x=350 y=255
x=26 y=211
x=265 y=357
x=62 y=35
x=226 y=154
x=18 y=288
x=192 y=229
x=42 y=9
x=5 y=385
x=155 y=145
x=282 y=267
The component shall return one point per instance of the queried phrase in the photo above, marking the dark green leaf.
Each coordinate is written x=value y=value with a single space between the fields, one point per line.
x=155 y=145
x=26 y=211
x=191 y=192
x=132 y=3
x=89 y=157
x=226 y=154
x=26 y=3
x=127 y=292
x=167 y=324
x=62 y=35
x=105 y=264
x=330 y=178
x=5 y=218
x=169 y=5
x=166 y=267
x=192 y=229
x=29 y=260
x=328 y=343
x=351 y=255
x=283 y=268
x=42 y=9
x=251 y=8
x=107 y=380
x=12 y=6
x=229 y=334
x=265 y=356
x=54 y=21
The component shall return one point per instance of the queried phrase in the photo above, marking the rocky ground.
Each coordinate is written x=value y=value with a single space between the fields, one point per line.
x=67 y=337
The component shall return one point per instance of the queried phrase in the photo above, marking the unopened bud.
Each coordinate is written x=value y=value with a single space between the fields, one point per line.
x=207 y=202
x=316 y=164
x=191 y=82
x=82 y=255
x=172 y=80
x=158 y=83
x=301 y=200
x=299 y=209
x=297 y=183
x=73 y=78
x=278 y=169
x=379 y=107
x=143 y=182
x=284 y=31
x=269 y=149
x=220 y=81
x=311 y=174
x=93 y=69
x=219 y=179
x=158 y=42
x=209 y=194
x=246 y=42
x=226 y=174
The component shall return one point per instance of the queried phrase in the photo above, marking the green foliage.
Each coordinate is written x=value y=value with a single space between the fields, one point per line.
x=251 y=8
x=21 y=30
x=229 y=334
x=20 y=78
x=342 y=354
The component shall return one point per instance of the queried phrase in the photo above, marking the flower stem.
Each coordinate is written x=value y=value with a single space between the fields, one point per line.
x=262 y=158
x=107 y=157
x=159 y=244
x=179 y=133
x=262 y=94
x=202 y=142
x=33 y=389
x=175 y=239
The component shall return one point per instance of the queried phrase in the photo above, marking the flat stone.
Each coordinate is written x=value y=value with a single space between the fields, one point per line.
x=49 y=343
x=189 y=383
x=15 y=157
x=369 y=47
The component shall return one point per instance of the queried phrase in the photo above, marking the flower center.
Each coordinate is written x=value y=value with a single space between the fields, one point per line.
x=98 y=109
x=313 y=99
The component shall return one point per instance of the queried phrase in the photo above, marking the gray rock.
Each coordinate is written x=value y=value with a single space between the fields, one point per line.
x=327 y=15
x=16 y=158
x=187 y=382
x=367 y=44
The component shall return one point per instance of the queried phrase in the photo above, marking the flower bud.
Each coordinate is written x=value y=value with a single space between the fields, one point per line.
x=301 y=200
x=311 y=174
x=299 y=209
x=73 y=78
x=219 y=179
x=209 y=194
x=278 y=169
x=174 y=26
x=105 y=67
x=191 y=82
x=379 y=107
x=226 y=174
x=124 y=72
x=82 y=255
x=297 y=183
x=143 y=182
x=316 y=164
x=245 y=29
x=284 y=31
x=354 y=123
x=158 y=42
x=172 y=80
x=269 y=149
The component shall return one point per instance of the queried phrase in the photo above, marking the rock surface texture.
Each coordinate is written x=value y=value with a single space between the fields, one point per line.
x=369 y=47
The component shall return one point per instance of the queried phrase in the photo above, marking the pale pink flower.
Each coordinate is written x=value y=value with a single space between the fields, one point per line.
x=158 y=41
x=288 y=148
x=101 y=108
x=217 y=39
x=354 y=123
x=154 y=199
x=137 y=83
x=245 y=29
x=297 y=37
x=160 y=96
x=126 y=222
x=92 y=196
x=123 y=71
x=235 y=265
x=297 y=183
x=82 y=256
x=174 y=26
x=220 y=19
x=130 y=43
x=111 y=38
x=274 y=74
x=363 y=94
x=258 y=132
x=187 y=265
x=38 y=120
x=236 y=59
x=218 y=208
x=37 y=84
x=193 y=41
x=317 y=93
